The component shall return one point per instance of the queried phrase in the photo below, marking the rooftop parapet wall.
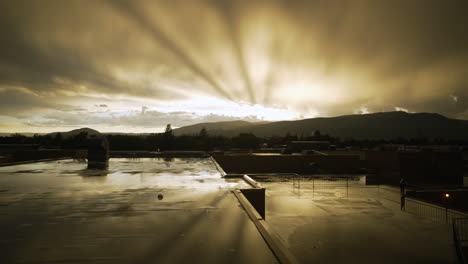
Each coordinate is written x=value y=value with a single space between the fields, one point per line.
x=388 y=161
x=432 y=167
x=33 y=155
x=416 y=167
x=289 y=164
x=387 y=166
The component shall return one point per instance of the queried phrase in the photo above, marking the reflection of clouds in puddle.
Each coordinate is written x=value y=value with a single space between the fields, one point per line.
x=94 y=179
x=192 y=177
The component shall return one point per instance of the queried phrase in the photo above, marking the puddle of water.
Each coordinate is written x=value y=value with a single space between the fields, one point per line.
x=136 y=211
x=69 y=175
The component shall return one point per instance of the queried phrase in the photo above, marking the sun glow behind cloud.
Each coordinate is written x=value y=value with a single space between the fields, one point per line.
x=143 y=115
x=212 y=105
x=250 y=60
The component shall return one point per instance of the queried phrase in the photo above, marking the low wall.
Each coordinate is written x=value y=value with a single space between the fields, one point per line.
x=289 y=164
x=360 y=154
x=32 y=155
x=152 y=154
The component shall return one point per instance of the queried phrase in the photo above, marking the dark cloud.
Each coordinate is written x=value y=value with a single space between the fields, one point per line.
x=61 y=50
x=144 y=119
x=18 y=103
x=314 y=57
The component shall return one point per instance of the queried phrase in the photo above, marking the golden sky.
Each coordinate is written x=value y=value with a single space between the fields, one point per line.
x=134 y=66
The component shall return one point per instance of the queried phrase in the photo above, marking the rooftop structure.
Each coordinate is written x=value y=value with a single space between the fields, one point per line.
x=60 y=211
x=169 y=210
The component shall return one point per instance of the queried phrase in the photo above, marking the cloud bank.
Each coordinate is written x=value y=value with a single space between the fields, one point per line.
x=61 y=62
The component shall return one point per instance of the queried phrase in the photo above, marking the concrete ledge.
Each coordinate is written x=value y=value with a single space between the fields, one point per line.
x=234 y=175
x=256 y=198
x=223 y=173
x=303 y=164
x=273 y=241
x=33 y=161
x=154 y=154
x=252 y=182
x=241 y=175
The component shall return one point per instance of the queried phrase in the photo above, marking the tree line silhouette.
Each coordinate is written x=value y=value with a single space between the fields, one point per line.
x=204 y=141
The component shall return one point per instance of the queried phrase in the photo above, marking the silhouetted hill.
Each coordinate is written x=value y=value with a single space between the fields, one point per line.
x=215 y=128
x=74 y=132
x=385 y=125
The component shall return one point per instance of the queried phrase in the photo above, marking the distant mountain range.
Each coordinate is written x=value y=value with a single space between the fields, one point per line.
x=385 y=125
x=215 y=128
x=74 y=132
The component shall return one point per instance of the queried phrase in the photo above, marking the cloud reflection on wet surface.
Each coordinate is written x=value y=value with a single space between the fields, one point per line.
x=334 y=220
x=62 y=212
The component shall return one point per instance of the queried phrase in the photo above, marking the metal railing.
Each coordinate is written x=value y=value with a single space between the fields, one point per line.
x=435 y=212
x=460 y=238
x=461 y=225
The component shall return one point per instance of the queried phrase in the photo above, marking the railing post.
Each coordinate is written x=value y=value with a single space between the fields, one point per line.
x=446 y=214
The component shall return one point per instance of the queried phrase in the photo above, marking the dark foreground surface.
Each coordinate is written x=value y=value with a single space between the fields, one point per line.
x=326 y=220
x=60 y=212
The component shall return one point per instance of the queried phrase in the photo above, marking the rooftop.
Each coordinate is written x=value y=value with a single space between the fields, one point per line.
x=59 y=211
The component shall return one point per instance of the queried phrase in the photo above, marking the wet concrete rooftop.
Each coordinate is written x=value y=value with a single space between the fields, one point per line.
x=329 y=220
x=60 y=212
